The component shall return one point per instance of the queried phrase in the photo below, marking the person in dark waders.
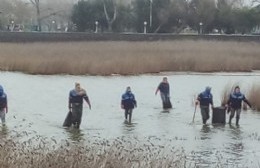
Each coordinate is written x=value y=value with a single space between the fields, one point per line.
x=76 y=97
x=205 y=99
x=128 y=103
x=164 y=89
x=3 y=105
x=234 y=104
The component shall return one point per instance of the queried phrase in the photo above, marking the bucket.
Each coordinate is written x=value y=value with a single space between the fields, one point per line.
x=219 y=115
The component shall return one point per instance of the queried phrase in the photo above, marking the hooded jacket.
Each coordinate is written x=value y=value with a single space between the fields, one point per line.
x=205 y=98
x=3 y=98
x=235 y=100
x=128 y=100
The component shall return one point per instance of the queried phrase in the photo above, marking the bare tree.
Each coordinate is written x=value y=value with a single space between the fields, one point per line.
x=61 y=12
x=14 y=12
x=110 y=21
x=163 y=16
x=255 y=2
x=36 y=4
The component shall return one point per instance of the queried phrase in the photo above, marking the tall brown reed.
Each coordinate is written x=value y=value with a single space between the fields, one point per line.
x=111 y=57
x=254 y=96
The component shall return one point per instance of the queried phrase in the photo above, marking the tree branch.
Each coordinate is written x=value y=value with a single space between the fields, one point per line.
x=106 y=14
x=33 y=2
x=158 y=28
x=115 y=13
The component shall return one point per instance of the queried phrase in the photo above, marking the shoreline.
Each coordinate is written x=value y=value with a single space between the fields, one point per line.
x=166 y=73
x=30 y=37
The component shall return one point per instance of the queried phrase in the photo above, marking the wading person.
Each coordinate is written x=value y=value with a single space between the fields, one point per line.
x=205 y=99
x=128 y=103
x=164 y=89
x=235 y=103
x=76 y=97
x=3 y=105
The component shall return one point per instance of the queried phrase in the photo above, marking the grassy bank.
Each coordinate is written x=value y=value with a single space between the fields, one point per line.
x=126 y=58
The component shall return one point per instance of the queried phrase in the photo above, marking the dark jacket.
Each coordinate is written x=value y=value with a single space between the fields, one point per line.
x=235 y=100
x=128 y=100
x=205 y=98
x=3 y=98
x=76 y=97
x=164 y=88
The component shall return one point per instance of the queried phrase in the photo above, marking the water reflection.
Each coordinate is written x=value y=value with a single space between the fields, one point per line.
x=208 y=154
x=234 y=153
x=74 y=134
x=235 y=132
x=128 y=127
x=205 y=129
x=219 y=126
x=166 y=111
x=234 y=148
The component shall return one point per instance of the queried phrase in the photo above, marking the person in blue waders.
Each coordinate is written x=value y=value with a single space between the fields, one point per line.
x=76 y=97
x=205 y=99
x=164 y=89
x=235 y=103
x=3 y=105
x=128 y=103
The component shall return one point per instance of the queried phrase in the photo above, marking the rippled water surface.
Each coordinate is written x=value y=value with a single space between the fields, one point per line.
x=38 y=105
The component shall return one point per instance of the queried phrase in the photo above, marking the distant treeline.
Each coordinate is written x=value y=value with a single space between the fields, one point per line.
x=165 y=16
x=131 y=16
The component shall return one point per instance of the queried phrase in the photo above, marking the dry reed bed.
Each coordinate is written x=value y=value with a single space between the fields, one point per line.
x=126 y=58
x=254 y=96
x=40 y=153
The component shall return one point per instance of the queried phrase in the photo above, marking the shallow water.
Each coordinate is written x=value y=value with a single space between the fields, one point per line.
x=38 y=106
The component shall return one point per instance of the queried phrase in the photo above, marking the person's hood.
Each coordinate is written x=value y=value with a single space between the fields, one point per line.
x=208 y=90
x=1 y=90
